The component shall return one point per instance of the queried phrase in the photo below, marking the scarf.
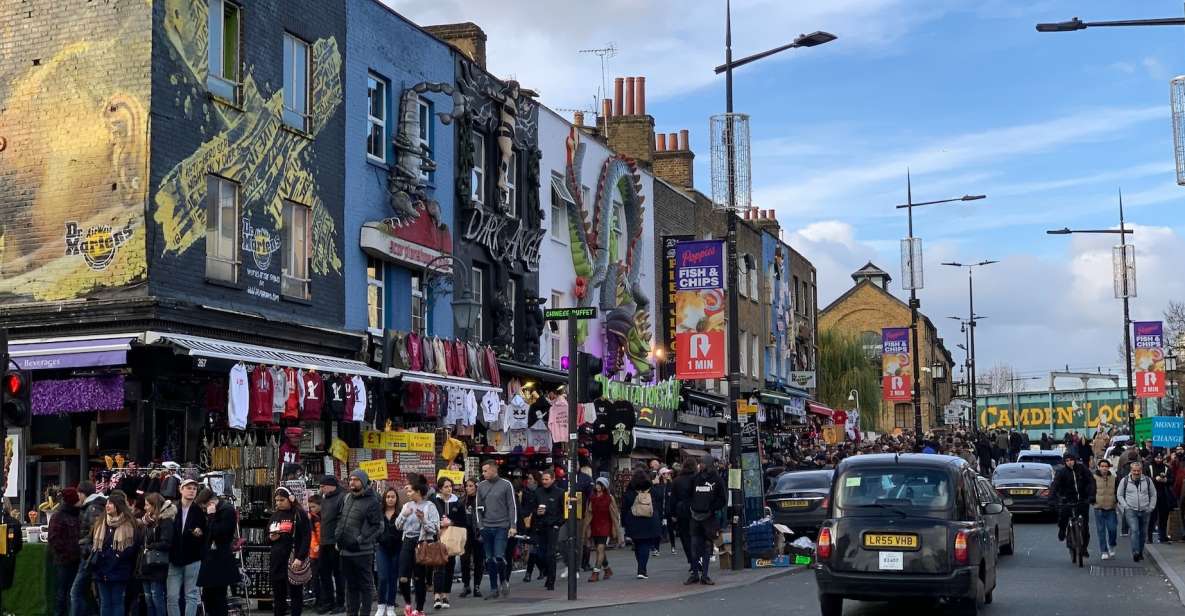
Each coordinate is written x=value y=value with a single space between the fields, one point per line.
x=124 y=529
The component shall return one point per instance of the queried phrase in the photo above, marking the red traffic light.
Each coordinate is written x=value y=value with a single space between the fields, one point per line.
x=14 y=384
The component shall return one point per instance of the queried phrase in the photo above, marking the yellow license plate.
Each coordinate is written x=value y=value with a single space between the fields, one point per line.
x=793 y=504
x=883 y=541
x=1023 y=492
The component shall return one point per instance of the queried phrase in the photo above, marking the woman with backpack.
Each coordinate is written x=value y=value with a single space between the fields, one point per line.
x=642 y=519
x=153 y=566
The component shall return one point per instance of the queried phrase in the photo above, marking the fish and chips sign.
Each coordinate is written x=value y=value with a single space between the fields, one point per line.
x=896 y=375
x=1149 y=358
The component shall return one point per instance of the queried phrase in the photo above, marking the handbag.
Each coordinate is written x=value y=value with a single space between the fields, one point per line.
x=154 y=560
x=298 y=576
x=430 y=553
x=454 y=538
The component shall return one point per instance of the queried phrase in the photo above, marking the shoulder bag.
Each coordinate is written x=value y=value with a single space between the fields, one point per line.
x=430 y=553
x=454 y=538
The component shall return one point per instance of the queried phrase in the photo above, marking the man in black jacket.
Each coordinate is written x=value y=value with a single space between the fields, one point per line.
x=548 y=515
x=1074 y=488
x=93 y=505
x=679 y=508
x=357 y=535
x=185 y=555
x=333 y=589
x=708 y=497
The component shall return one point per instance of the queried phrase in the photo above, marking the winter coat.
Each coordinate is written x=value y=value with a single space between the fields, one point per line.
x=526 y=508
x=1136 y=497
x=602 y=518
x=391 y=539
x=158 y=536
x=1073 y=485
x=187 y=547
x=93 y=509
x=553 y=499
x=63 y=535
x=111 y=565
x=1131 y=454
x=636 y=527
x=360 y=524
x=1104 y=491
x=679 y=500
x=1155 y=471
x=219 y=566
x=294 y=534
x=331 y=508
x=455 y=511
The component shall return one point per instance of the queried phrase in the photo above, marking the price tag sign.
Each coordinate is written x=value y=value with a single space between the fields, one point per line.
x=376 y=469
x=400 y=441
x=457 y=477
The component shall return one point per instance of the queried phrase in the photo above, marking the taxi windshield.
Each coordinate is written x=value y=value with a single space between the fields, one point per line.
x=894 y=488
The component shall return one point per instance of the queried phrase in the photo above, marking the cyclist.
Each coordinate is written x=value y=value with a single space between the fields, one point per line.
x=1074 y=488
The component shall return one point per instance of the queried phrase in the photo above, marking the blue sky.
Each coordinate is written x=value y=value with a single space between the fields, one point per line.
x=966 y=94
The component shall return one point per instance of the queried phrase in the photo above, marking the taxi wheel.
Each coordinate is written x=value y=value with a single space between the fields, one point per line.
x=831 y=605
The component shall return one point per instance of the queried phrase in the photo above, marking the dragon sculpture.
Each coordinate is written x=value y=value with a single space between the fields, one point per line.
x=613 y=285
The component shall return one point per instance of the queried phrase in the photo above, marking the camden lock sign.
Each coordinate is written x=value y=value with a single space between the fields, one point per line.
x=506 y=238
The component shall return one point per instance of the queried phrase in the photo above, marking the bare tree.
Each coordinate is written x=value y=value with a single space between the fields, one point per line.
x=1174 y=324
x=997 y=380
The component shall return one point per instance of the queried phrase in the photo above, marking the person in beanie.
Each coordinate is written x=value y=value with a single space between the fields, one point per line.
x=289 y=533
x=82 y=602
x=329 y=569
x=63 y=547
x=358 y=531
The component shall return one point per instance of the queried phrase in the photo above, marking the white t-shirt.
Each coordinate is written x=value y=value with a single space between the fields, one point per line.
x=517 y=413
x=491 y=408
x=237 y=398
x=470 y=416
x=359 y=398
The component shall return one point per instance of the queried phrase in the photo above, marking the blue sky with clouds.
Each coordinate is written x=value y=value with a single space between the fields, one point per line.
x=966 y=94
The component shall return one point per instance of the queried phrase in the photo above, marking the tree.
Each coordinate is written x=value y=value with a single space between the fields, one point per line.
x=1174 y=324
x=997 y=380
x=844 y=366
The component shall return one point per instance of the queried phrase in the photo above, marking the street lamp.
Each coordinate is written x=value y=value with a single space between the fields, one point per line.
x=465 y=305
x=1077 y=24
x=730 y=121
x=911 y=254
x=1124 y=271
x=970 y=324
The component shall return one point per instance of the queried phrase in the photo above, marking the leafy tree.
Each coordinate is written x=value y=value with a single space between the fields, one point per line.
x=843 y=366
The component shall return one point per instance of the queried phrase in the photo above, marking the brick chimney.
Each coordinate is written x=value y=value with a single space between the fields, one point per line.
x=764 y=219
x=675 y=162
x=624 y=123
x=467 y=37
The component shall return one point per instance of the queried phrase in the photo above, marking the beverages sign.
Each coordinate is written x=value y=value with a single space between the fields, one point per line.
x=896 y=365
x=1149 y=358
x=700 y=310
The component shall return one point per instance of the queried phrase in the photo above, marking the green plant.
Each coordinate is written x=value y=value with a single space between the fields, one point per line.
x=844 y=366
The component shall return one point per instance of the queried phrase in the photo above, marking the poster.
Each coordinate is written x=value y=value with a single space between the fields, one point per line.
x=700 y=310
x=670 y=315
x=896 y=364
x=400 y=441
x=375 y=469
x=1149 y=358
x=458 y=477
x=12 y=464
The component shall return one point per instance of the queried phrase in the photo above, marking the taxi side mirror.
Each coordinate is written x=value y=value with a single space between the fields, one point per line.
x=993 y=508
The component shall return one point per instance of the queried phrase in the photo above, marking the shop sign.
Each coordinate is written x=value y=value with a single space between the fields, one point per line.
x=1081 y=410
x=700 y=310
x=663 y=395
x=1149 y=358
x=506 y=239
x=896 y=374
x=698 y=420
x=457 y=477
x=1162 y=431
x=382 y=241
x=375 y=469
x=670 y=316
x=803 y=378
x=796 y=406
x=400 y=441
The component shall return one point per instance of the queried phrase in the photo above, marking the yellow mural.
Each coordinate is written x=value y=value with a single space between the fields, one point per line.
x=252 y=146
x=74 y=154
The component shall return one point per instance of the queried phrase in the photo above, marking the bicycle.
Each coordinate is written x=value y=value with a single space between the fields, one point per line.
x=1076 y=536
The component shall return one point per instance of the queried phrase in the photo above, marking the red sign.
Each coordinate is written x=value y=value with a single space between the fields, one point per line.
x=1149 y=384
x=897 y=388
x=701 y=355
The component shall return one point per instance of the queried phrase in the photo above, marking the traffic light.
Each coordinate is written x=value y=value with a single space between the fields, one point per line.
x=588 y=367
x=17 y=409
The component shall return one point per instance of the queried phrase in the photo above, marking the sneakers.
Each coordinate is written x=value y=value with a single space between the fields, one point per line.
x=505 y=591
x=436 y=604
x=466 y=592
x=1138 y=556
x=1106 y=556
x=672 y=551
x=476 y=592
x=527 y=578
x=692 y=579
x=655 y=553
x=417 y=613
x=595 y=577
x=1111 y=552
x=381 y=610
x=643 y=576
x=408 y=611
x=493 y=595
x=444 y=603
x=707 y=581
x=608 y=572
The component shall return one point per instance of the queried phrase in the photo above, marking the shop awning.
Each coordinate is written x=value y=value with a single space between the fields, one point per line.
x=819 y=409
x=769 y=396
x=72 y=352
x=547 y=375
x=250 y=353
x=429 y=378
x=665 y=436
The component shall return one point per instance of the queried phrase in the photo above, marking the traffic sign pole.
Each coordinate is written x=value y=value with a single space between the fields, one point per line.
x=574 y=542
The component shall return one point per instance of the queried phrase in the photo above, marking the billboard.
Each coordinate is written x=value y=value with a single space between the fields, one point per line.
x=700 y=310
x=670 y=315
x=1149 y=358
x=896 y=365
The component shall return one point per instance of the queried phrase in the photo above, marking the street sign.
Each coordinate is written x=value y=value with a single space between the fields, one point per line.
x=559 y=314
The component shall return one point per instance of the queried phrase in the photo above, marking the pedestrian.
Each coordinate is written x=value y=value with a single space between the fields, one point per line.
x=315 y=545
x=14 y=543
x=682 y=487
x=452 y=514
x=983 y=451
x=82 y=601
x=497 y=513
x=525 y=494
x=290 y=535
x=669 y=523
x=158 y=539
x=642 y=520
x=1136 y=499
x=706 y=503
x=1105 y=517
x=1001 y=450
x=420 y=522
x=387 y=553
x=1074 y=488
x=116 y=541
x=548 y=516
x=333 y=587
x=1158 y=470
x=358 y=533
x=220 y=568
x=1014 y=445
x=602 y=519
x=63 y=548
x=1046 y=442
x=185 y=554
x=473 y=560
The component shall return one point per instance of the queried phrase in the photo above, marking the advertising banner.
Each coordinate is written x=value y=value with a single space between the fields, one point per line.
x=670 y=316
x=896 y=364
x=1162 y=431
x=1149 y=358
x=700 y=310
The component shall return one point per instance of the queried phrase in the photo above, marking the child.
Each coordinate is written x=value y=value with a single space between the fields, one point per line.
x=315 y=545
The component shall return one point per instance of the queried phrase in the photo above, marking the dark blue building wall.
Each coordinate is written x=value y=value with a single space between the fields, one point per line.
x=383 y=43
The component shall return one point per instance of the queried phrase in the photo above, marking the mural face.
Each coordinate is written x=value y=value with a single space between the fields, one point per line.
x=74 y=153
x=605 y=236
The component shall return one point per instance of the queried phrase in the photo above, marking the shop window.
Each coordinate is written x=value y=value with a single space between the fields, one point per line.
x=478 y=177
x=223 y=26
x=424 y=109
x=376 y=118
x=295 y=248
x=296 y=83
x=222 y=229
x=375 y=295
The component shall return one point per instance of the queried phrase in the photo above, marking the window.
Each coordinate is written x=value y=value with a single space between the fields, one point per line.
x=375 y=295
x=742 y=276
x=586 y=196
x=796 y=297
x=511 y=188
x=873 y=346
x=295 y=247
x=755 y=360
x=802 y=298
x=754 y=294
x=222 y=78
x=744 y=342
x=222 y=229
x=617 y=232
x=478 y=180
x=559 y=214
x=478 y=287
x=418 y=316
x=296 y=83
x=424 y=110
x=376 y=118
x=556 y=337
x=903 y=415
x=512 y=293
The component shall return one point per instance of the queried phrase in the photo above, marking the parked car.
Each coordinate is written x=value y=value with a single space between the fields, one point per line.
x=798 y=499
x=1044 y=456
x=1001 y=523
x=1027 y=484
x=905 y=527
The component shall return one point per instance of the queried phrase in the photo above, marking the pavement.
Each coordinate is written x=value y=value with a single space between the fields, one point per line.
x=1171 y=560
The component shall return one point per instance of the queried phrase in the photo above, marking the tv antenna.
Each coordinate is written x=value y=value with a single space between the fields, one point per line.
x=608 y=51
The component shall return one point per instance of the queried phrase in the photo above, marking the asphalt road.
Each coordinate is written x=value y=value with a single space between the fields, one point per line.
x=1037 y=580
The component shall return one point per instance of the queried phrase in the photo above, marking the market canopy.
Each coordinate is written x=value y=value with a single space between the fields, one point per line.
x=665 y=436
x=71 y=352
x=209 y=347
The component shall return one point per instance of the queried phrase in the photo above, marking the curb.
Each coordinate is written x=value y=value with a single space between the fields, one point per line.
x=1167 y=569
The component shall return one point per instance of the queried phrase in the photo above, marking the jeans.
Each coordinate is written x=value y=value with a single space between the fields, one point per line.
x=358 y=569
x=111 y=598
x=1107 y=523
x=1137 y=521
x=183 y=579
x=81 y=602
x=154 y=597
x=333 y=587
x=642 y=548
x=65 y=581
x=494 y=542
x=388 y=577
x=285 y=594
x=703 y=536
x=410 y=570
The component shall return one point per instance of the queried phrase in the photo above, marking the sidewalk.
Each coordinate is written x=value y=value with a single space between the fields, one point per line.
x=1171 y=560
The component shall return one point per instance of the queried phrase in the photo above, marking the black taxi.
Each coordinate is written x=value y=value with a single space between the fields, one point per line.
x=906 y=526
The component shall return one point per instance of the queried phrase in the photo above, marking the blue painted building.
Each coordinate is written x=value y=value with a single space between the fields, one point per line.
x=399 y=170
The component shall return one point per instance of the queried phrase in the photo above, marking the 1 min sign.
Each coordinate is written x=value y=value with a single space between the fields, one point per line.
x=560 y=314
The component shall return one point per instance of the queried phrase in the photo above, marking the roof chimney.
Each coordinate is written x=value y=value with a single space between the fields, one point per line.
x=467 y=37
x=677 y=163
x=660 y=143
x=629 y=96
x=618 y=93
x=578 y=118
x=606 y=107
x=766 y=220
x=629 y=131
x=683 y=140
x=640 y=103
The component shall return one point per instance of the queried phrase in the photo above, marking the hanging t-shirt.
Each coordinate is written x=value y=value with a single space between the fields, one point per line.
x=557 y=420
x=491 y=408
x=517 y=414
x=294 y=391
x=376 y=405
x=238 y=397
x=456 y=406
x=470 y=417
x=359 y=399
x=539 y=437
x=279 y=389
x=601 y=445
x=335 y=393
x=261 y=395
x=622 y=418
x=348 y=407
x=314 y=395
x=537 y=413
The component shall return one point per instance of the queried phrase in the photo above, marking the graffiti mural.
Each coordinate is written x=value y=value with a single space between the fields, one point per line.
x=74 y=152
x=605 y=236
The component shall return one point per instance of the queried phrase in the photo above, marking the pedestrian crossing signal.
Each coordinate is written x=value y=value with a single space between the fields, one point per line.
x=17 y=410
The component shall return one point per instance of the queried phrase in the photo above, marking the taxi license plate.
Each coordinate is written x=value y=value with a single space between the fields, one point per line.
x=884 y=541
x=1023 y=492
x=793 y=504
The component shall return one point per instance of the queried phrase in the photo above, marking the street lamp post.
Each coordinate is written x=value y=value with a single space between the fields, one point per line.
x=971 y=323
x=914 y=279
x=734 y=354
x=465 y=305
x=854 y=395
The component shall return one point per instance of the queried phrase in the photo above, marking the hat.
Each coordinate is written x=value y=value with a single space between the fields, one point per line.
x=282 y=491
x=361 y=475
x=604 y=481
x=330 y=480
x=1068 y=456
x=187 y=481
x=70 y=496
x=293 y=431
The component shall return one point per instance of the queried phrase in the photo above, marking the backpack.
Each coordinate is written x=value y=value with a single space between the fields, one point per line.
x=643 y=506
